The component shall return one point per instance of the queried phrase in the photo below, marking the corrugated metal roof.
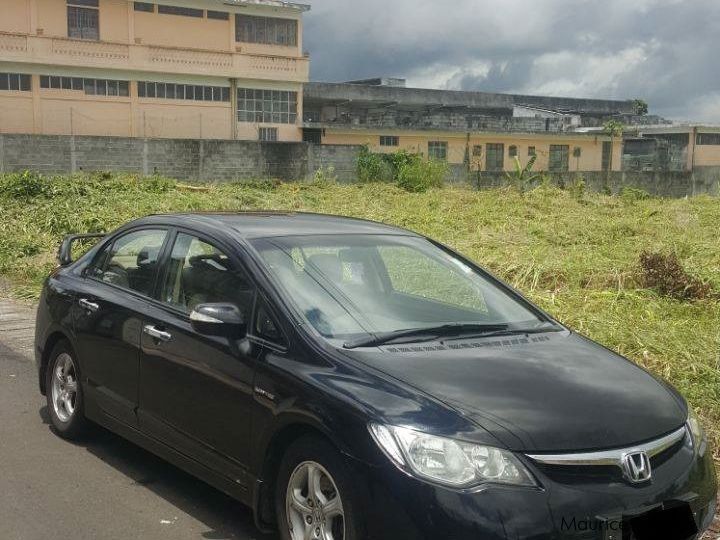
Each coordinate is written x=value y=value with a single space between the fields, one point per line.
x=268 y=3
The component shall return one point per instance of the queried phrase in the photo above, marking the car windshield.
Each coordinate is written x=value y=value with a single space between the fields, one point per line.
x=350 y=286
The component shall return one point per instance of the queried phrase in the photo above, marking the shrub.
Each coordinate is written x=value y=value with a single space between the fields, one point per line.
x=417 y=175
x=25 y=185
x=666 y=275
x=373 y=167
x=632 y=194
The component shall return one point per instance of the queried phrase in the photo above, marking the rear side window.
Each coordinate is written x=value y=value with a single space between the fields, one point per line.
x=131 y=261
x=200 y=273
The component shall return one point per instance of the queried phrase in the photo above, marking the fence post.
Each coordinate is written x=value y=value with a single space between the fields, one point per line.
x=73 y=153
x=2 y=153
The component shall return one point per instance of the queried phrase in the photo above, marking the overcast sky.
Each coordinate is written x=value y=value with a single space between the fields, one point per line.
x=665 y=51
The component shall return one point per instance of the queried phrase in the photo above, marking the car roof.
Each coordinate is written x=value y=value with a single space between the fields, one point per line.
x=267 y=224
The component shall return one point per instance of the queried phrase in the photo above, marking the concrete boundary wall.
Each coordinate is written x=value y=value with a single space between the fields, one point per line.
x=225 y=160
x=186 y=159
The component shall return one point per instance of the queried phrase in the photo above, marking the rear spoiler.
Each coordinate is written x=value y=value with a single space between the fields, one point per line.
x=65 y=251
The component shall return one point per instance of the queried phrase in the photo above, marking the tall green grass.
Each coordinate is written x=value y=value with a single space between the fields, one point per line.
x=573 y=253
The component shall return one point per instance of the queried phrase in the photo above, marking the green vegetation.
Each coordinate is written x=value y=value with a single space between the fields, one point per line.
x=576 y=254
x=412 y=172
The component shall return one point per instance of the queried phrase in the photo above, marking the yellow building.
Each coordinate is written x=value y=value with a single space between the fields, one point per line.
x=224 y=69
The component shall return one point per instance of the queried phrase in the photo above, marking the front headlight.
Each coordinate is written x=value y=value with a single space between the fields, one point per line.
x=696 y=431
x=446 y=461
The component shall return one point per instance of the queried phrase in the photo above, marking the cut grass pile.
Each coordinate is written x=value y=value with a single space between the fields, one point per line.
x=577 y=255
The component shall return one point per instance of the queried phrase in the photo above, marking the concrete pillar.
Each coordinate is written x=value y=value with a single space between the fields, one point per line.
x=201 y=159
x=73 y=155
x=145 y=165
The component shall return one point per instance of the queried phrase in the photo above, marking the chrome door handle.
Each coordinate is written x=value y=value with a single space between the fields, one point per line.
x=87 y=304
x=157 y=334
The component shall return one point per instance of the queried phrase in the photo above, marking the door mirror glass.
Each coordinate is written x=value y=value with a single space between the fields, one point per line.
x=218 y=320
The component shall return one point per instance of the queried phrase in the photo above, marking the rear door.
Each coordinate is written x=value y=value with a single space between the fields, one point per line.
x=107 y=317
x=196 y=390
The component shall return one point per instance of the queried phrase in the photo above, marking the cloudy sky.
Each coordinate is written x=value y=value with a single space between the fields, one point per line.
x=665 y=51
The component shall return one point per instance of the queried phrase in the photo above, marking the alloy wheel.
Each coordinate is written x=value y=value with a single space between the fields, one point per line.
x=64 y=387
x=314 y=508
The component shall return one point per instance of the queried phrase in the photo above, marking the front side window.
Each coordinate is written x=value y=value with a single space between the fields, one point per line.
x=131 y=261
x=83 y=18
x=354 y=285
x=200 y=273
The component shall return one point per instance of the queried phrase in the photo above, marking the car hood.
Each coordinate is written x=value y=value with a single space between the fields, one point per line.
x=553 y=392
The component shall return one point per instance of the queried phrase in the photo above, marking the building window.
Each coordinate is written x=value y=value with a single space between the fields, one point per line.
x=495 y=157
x=184 y=11
x=531 y=151
x=389 y=140
x=438 y=150
x=189 y=92
x=269 y=134
x=15 y=82
x=606 y=154
x=559 y=157
x=267 y=106
x=91 y=87
x=708 y=139
x=267 y=30
x=218 y=15
x=145 y=6
x=477 y=150
x=513 y=151
x=83 y=22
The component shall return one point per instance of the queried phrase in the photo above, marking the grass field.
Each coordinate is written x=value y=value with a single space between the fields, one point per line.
x=573 y=253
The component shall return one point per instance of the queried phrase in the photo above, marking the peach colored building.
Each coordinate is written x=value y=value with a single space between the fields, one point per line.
x=226 y=69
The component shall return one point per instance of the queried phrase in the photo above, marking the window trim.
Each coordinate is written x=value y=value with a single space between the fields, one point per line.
x=260 y=298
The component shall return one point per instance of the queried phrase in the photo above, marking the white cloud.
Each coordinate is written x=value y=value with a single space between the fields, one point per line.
x=660 y=50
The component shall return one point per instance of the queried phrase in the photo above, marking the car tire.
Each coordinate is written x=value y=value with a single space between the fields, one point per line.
x=311 y=456
x=64 y=392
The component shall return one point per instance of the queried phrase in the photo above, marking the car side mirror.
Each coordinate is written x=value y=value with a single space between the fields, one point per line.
x=218 y=320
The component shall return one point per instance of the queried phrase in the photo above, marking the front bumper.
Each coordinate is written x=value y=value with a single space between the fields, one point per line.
x=574 y=506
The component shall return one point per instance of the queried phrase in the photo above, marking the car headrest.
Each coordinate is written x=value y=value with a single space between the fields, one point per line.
x=328 y=264
x=147 y=256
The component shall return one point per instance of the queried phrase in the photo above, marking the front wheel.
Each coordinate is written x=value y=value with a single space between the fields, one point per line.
x=64 y=392
x=315 y=498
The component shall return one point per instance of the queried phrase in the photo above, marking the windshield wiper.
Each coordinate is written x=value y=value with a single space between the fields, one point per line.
x=514 y=332
x=445 y=330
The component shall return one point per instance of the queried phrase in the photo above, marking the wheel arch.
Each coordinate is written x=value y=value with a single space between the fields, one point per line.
x=286 y=435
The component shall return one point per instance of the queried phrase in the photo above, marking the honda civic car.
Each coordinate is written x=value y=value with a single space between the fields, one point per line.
x=348 y=380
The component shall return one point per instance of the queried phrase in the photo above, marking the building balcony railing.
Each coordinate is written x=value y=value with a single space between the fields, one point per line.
x=151 y=58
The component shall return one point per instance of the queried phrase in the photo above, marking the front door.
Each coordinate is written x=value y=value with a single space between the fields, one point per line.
x=196 y=390
x=107 y=317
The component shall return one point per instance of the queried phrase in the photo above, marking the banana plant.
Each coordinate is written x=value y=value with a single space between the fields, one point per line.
x=523 y=177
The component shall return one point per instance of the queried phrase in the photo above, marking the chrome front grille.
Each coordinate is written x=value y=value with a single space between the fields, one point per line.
x=607 y=465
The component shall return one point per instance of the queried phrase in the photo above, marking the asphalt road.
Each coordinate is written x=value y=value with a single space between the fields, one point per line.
x=102 y=488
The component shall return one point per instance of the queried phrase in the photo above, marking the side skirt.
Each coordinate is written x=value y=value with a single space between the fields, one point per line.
x=187 y=464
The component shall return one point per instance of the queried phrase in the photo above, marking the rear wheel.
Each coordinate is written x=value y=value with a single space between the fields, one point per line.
x=64 y=392
x=315 y=497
